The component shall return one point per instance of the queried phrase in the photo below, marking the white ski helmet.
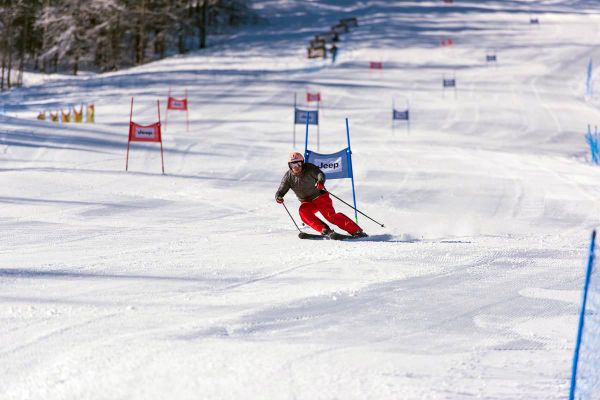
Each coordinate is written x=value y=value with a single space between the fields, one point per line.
x=295 y=157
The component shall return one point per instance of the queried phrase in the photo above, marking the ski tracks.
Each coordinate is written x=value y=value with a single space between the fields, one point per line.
x=270 y=275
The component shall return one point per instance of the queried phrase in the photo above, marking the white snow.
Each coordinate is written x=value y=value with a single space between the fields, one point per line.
x=193 y=285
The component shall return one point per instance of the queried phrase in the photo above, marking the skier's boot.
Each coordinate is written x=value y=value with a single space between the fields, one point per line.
x=359 y=234
x=327 y=232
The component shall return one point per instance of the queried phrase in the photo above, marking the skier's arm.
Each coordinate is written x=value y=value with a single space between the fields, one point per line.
x=284 y=187
x=319 y=177
x=316 y=173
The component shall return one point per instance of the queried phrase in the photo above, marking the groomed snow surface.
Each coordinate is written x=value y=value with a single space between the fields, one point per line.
x=194 y=285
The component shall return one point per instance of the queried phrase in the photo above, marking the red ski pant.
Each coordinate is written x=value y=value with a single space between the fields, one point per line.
x=324 y=205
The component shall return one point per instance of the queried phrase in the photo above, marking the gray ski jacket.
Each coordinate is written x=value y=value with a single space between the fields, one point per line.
x=303 y=185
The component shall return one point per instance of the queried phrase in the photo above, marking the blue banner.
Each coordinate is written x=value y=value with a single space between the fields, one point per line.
x=400 y=115
x=490 y=58
x=335 y=166
x=300 y=116
x=449 y=82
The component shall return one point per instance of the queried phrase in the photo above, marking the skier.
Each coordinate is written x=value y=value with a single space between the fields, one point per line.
x=334 y=51
x=308 y=183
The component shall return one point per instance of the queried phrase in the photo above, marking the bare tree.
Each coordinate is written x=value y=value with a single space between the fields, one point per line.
x=105 y=34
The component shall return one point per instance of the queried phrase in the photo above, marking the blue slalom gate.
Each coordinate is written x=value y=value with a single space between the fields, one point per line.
x=585 y=375
x=310 y=117
x=589 y=83
x=593 y=139
x=336 y=165
x=449 y=83
x=400 y=115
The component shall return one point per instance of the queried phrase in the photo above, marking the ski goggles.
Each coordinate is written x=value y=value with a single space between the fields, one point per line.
x=295 y=163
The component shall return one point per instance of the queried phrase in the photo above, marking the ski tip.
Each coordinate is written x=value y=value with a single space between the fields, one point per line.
x=304 y=235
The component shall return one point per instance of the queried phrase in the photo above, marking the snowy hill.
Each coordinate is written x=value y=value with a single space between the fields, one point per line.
x=193 y=284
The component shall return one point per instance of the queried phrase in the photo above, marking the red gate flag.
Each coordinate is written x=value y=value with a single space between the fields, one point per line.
x=144 y=133
x=176 y=104
x=446 y=42
x=375 y=65
x=179 y=105
x=313 y=97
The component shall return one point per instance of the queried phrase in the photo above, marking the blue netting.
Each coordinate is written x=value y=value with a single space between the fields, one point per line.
x=587 y=384
x=592 y=140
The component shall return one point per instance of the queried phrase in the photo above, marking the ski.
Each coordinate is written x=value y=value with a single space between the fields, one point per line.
x=333 y=236
x=311 y=236
x=339 y=236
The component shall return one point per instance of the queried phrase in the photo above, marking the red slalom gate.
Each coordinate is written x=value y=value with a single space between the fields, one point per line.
x=375 y=65
x=446 y=42
x=144 y=133
x=178 y=105
x=313 y=97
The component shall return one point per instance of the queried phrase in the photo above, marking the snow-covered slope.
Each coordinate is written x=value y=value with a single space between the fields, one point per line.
x=191 y=285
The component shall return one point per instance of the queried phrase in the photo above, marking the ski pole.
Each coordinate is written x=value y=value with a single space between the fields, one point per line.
x=350 y=205
x=286 y=209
